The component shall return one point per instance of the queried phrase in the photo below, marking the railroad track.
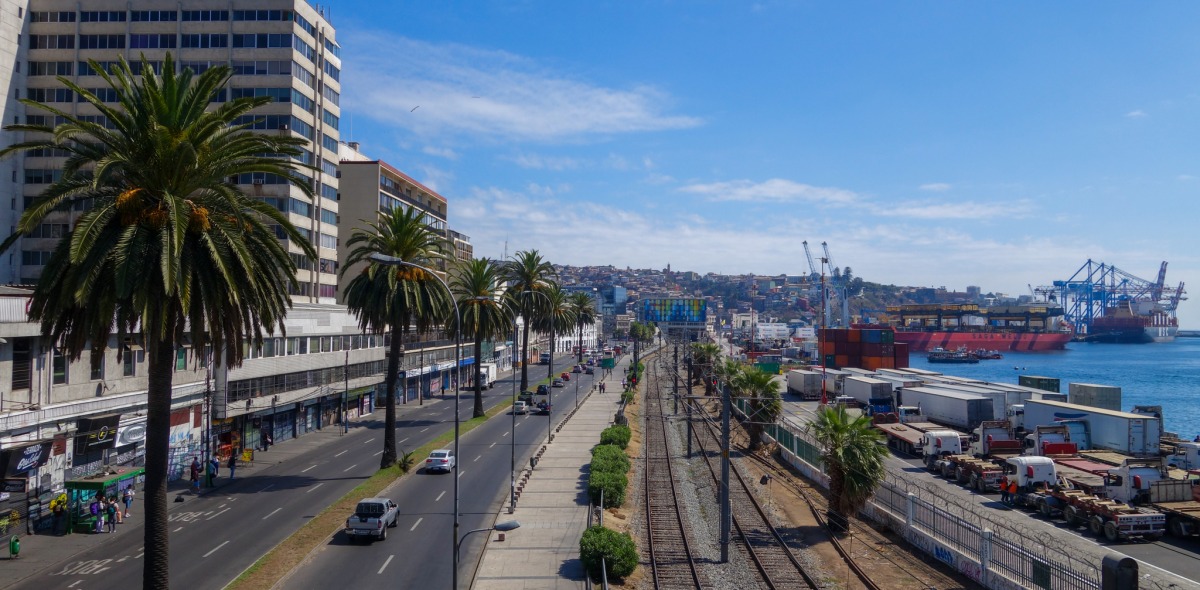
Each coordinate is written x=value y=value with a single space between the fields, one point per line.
x=775 y=562
x=671 y=560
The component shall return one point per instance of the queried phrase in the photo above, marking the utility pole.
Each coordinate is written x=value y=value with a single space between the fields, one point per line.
x=688 y=405
x=726 y=509
x=675 y=378
x=346 y=393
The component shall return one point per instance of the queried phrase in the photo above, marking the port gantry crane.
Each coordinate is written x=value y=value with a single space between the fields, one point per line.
x=812 y=268
x=839 y=288
x=1097 y=286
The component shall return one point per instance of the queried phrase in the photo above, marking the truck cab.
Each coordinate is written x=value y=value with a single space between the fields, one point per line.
x=908 y=414
x=1186 y=456
x=938 y=444
x=1049 y=440
x=1131 y=482
x=1032 y=472
x=993 y=438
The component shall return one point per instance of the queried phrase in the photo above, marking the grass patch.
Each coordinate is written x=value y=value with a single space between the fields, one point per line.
x=289 y=553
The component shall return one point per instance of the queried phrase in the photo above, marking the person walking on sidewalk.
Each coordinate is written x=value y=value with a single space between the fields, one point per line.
x=110 y=514
x=195 y=474
x=213 y=468
x=232 y=463
x=127 y=497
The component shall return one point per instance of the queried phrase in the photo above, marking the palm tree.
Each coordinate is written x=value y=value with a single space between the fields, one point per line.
x=528 y=271
x=477 y=285
x=392 y=298
x=166 y=245
x=584 y=308
x=853 y=453
x=558 y=317
x=705 y=355
x=764 y=405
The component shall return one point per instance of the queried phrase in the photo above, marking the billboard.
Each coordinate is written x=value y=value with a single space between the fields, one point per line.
x=673 y=310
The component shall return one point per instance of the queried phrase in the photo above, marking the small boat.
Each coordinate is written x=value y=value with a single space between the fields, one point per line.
x=957 y=357
x=984 y=354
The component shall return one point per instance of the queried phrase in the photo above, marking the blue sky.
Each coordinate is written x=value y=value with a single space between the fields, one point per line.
x=929 y=143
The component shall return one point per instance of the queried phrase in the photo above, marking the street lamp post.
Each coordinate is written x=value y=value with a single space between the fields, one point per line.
x=512 y=471
x=346 y=394
x=503 y=527
x=393 y=261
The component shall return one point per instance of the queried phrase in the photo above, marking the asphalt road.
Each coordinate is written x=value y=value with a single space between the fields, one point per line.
x=418 y=553
x=216 y=537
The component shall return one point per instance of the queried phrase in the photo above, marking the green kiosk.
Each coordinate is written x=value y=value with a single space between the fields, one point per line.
x=110 y=482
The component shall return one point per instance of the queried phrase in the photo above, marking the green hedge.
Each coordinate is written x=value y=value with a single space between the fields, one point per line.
x=609 y=458
x=627 y=397
x=612 y=483
x=618 y=551
x=616 y=435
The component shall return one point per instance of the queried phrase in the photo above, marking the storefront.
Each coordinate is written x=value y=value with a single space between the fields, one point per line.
x=18 y=489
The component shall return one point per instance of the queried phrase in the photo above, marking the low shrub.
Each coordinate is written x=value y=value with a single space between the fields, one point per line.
x=616 y=435
x=618 y=551
x=609 y=458
x=612 y=483
x=627 y=397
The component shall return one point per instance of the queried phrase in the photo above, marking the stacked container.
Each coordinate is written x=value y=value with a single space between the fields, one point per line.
x=1045 y=383
x=868 y=348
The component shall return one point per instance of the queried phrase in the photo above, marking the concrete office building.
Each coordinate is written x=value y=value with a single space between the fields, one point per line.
x=284 y=49
x=13 y=17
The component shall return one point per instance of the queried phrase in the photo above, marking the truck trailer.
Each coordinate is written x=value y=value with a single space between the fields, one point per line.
x=865 y=389
x=1122 y=432
x=804 y=383
x=963 y=411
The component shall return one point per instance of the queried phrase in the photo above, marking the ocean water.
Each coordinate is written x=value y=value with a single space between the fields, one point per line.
x=1165 y=374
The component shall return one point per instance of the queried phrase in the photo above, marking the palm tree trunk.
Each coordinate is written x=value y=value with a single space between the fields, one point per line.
x=581 y=342
x=478 y=377
x=525 y=357
x=155 y=572
x=395 y=351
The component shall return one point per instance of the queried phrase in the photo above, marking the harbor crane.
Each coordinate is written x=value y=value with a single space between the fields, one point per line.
x=1097 y=286
x=812 y=268
x=838 y=289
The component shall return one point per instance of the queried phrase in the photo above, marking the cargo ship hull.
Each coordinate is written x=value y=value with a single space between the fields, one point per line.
x=1012 y=341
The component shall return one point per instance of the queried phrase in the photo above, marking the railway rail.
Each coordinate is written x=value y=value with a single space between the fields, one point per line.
x=671 y=561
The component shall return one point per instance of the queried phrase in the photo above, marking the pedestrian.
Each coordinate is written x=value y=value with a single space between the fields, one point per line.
x=267 y=441
x=1004 y=491
x=127 y=496
x=232 y=463
x=195 y=473
x=97 y=514
x=110 y=514
x=1012 y=492
x=57 y=510
x=213 y=468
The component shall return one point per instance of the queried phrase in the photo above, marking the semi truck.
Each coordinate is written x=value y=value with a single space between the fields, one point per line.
x=963 y=411
x=1122 y=432
x=1040 y=487
x=938 y=445
x=865 y=389
x=1002 y=398
x=978 y=474
x=804 y=383
x=994 y=439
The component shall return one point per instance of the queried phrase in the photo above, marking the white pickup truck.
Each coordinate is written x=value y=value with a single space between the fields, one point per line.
x=371 y=519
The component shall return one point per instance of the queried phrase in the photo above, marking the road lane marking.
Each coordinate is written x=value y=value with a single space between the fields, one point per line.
x=405 y=439
x=461 y=472
x=269 y=486
x=491 y=445
x=350 y=467
x=309 y=469
x=215 y=548
x=272 y=513
x=342 y=453
x=414 y=526
x=440 y=496
x=369 y=441
x=177 y=530
x=426 y=428
x=314 y=487
x=504 y=435
x=377 y=454
x=139 y=555
x=385 y=563
x=120 y=560
x=74 y=583
x=477 y=458
x=216 y=515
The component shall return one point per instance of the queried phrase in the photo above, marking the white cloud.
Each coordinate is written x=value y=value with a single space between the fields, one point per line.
x=1185 y=177
x=441 y=152
x=538 y=162
x=492 y=94
x=937 y=187
x=1137 y=114
x=960 y=210
x=775 y=189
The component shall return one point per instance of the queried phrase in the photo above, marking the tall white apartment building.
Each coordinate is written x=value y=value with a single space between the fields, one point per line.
x=13 y=18
x=284 y=49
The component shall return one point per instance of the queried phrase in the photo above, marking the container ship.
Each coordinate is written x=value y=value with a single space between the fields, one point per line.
x=1122 y=324
x=1022 y=328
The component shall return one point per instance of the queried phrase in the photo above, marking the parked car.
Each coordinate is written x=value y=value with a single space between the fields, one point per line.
x=519 y=407
x=371 y=519
x=440 y=460
x=527 y=397
x=565 y=376
x=589 y=371
x=558 y=383
x=543 y=389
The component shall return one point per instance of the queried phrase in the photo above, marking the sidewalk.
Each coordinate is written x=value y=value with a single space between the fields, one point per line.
x=553 y=506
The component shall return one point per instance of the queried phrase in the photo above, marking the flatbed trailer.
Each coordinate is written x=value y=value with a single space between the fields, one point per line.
x=902 y=437
x=978 y=474
x=1179 y=501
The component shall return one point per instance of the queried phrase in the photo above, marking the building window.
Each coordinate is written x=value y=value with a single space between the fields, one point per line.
x=51 y=68
x=48 y=95
x=59 y=367
x=331 y=95
x=261 y=40
x=329 y=217
x=205 y=15
x=21 y=363
x=332 y=71
x=153 y=41
x=35 y=257
x=304 y=24
x=152 y=16
x=102 y=16
x=52 y=17
x=104 y=94
x=97 y=364
x=302 y=46
x=52 y=41
x=328 y=241
x=102 y=41
x=204 y=41
x=329 y=118
x=256 y=15
x=128 y=361
x=180 y=359
x=333 y=48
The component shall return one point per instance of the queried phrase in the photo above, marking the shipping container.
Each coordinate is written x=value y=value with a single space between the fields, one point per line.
x=1123 y=432
x=963 y=411
x=804 y=383
x=1107 y=397
x=1038 y=382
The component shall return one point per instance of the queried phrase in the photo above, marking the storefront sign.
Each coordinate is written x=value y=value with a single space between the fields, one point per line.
x=14 y=486
x=24 y=460
x=96 y=433
x=131 y=432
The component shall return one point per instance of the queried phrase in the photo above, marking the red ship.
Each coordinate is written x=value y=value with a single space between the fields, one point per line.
x=1021 y=328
